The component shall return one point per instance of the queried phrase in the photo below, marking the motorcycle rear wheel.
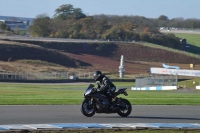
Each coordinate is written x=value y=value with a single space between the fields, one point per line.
x=127 y=111
x=87 y=109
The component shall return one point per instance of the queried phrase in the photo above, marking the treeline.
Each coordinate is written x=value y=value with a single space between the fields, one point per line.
x=161 y=21
x=70 y=22
x=3 y=26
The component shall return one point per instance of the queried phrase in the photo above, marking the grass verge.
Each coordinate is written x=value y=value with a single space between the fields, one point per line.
x=54 y=94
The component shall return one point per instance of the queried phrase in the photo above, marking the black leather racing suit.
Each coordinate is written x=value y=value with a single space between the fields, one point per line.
x=106 y=86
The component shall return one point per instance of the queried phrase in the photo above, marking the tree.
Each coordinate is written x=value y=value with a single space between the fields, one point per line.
x=78 y=14
x=100 y=26
x=87 y=28
x=163 y=17
x=115 y=32
x=41 y=26
x=144 y=37
x=3 y=26
x=67 y=11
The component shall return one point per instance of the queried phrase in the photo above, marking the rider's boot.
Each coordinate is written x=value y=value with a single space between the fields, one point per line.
x=116 y=100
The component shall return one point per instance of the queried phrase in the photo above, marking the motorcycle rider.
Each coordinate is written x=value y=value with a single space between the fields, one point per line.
x=105 y=85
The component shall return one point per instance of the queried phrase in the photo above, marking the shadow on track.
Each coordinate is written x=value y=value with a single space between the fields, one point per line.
x=148 y=117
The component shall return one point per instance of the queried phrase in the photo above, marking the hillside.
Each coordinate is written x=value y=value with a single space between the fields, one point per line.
x=59 y=56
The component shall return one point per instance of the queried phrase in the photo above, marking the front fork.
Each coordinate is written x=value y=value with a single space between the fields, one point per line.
x=90 y=103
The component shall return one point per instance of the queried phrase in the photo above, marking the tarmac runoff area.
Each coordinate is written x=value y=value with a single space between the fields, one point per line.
x=66 y=117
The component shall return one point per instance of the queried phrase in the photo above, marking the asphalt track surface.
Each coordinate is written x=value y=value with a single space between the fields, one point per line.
x=48 y=114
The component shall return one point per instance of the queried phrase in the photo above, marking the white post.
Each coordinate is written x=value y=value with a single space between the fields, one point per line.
x=67 y=75
x=121 y=67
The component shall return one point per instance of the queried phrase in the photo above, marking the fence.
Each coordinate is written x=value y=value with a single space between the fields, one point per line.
x=45 y=75
x=169 y=80
x=180 y=29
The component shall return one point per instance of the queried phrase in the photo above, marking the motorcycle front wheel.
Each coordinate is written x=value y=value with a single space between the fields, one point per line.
x=126 y=110
x=87 y=108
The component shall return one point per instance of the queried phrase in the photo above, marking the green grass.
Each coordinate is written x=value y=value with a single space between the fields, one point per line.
x=169 y=49
x=190 y=83
x=40 y=94
x=193 y=39
x=20 y=32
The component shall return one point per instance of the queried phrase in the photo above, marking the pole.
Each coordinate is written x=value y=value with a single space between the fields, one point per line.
x=121 y=67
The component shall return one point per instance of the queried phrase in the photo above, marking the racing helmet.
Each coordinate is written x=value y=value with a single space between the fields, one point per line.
x=97 y=75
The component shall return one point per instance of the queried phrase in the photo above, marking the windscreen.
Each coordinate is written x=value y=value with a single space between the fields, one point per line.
x=90 y=86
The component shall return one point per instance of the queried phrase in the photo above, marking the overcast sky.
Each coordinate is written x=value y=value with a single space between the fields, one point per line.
x=146 y=8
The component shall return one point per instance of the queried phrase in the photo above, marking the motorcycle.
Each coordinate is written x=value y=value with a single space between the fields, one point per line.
x=96 y=102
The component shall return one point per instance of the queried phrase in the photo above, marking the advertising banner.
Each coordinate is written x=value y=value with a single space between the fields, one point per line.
x=182 y=72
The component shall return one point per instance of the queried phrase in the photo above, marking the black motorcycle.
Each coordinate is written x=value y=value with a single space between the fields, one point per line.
x=96 y=102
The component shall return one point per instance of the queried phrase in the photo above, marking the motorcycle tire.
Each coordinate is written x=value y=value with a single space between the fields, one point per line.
x=86 y=109
x=127 y=111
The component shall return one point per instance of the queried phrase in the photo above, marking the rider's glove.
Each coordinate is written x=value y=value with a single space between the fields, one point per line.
x=102 y=88
x=95 y=89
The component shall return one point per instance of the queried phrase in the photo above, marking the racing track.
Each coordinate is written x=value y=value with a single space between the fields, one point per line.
x=46 y=114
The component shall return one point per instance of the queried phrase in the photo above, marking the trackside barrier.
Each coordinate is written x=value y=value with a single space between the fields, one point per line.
x=156 y=80
x=99 y=126
x=155 y=88
x=198 y=87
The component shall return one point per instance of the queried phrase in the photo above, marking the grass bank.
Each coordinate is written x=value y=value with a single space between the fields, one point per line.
x=193 y=39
